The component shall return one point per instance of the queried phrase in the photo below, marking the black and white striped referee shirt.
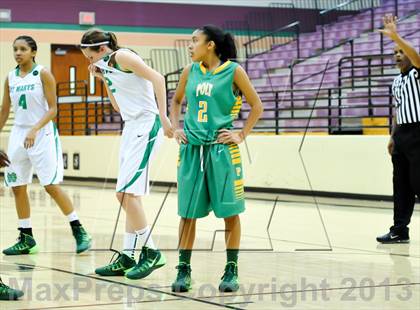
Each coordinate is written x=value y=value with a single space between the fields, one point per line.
x=406 y=91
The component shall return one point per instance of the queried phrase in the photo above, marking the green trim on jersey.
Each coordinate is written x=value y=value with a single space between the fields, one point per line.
x=34 y=65
x=149 y=148
x=117 y=66
x=107 y=58
x=56 y=153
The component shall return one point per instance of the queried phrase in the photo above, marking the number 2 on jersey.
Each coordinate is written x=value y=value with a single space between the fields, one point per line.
x=22 y=102
x=202 y=112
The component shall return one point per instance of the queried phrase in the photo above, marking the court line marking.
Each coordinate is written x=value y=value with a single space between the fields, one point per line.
x=123 y=303
x=416 y=209
x=137 y=286
x=363 y=251
x=327 y=203
x=239 y=303
x=98 y=305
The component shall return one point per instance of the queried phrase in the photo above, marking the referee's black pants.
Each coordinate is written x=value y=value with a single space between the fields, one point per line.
x=406 y=179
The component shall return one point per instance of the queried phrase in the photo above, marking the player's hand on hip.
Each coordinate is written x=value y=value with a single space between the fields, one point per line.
x=4 y=160
x=167 y=127
x=30 y=138
x=227 y=136
x=180 y=136
x=390 y=26
x=391 y=146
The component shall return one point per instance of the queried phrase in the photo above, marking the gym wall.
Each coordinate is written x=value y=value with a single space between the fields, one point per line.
x=338 y=164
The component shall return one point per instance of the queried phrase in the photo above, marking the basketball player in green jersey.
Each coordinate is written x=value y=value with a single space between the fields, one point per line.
x=6 y=292
x=209 y=168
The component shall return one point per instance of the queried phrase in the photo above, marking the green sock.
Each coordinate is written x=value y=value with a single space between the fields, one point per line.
x=232 y=255
x=185 y=256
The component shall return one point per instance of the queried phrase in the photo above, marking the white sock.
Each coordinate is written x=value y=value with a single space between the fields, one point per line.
x=130 y=240
x=25 y=223
x=72 y=216
x=142 y=237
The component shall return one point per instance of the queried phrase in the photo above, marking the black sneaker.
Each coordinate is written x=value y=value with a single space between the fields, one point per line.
x=230 y=278
x=182 y=283
x=149 y=261
x=392 y=237
x=25 y=244
x=83 y=240
x=119 y=267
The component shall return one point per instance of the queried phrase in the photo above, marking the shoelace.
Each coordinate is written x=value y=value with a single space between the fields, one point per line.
x=19 y=243
x=184 y=270
x=229 y=272
x=115 y=263
x=78 y=233
x=4 y=288
x=115 y=253
x=2 y=285
x=143 y=258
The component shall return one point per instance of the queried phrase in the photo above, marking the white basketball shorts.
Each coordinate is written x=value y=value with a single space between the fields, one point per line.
x=139 y=142
x=45 y=157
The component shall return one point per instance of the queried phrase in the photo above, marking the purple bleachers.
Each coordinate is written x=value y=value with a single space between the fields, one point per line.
x=107 y=128
x=346 y=27
x=297 y=125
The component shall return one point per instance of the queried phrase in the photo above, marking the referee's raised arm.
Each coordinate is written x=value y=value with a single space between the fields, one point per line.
x=390 y=30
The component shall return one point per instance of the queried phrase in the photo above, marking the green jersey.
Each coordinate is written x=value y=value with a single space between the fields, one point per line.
x=211 y=102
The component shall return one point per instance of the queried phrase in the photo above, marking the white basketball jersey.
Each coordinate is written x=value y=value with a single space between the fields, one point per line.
x=27 y=96
x=133 y=94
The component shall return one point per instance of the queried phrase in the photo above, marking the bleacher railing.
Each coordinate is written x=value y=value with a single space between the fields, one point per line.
x=266 y=42
x=334 y=110
x=356 y=6
x=321 y=4
x=80 y=114
x=331 y=113
x=374 y=65
x=372 y=68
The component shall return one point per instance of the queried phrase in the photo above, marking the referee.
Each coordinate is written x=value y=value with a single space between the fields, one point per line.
x=404 y=144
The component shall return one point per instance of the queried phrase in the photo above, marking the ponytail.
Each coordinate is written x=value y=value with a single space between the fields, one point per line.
x=229 y=48
x=225 y=42
x=113 y=43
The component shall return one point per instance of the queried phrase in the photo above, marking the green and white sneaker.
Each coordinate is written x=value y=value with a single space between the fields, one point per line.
x=149 y=261
x=8 y=293
x=230 y=278
x=25 y=245
x=118 y=267
x=182 y=283
x=83 y=239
